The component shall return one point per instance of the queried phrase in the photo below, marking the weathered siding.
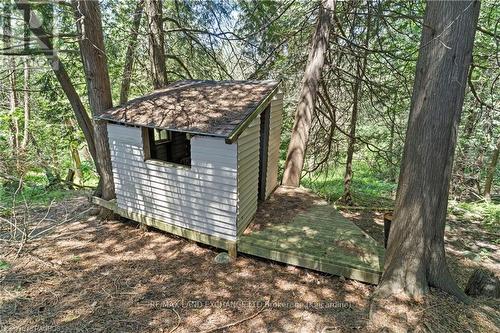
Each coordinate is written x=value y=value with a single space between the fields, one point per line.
x=248 y=173
x=273 y=150
x=201 y=198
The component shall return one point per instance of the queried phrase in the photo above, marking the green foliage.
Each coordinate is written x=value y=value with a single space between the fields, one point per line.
x=263 y=40
x=368 y=190
x=4 y=265
x=76 y=258
x=486 y=213
x=34 y=191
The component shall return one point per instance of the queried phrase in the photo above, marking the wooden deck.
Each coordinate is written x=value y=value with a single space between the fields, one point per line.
x=319 y=238
x=297 y=228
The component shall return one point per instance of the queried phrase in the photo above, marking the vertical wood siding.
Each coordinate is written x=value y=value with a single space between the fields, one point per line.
x=273 y=150
x=248 y=173
x=202 y=198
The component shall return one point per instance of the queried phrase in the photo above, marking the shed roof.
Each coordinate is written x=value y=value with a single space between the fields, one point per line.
x=219 y=108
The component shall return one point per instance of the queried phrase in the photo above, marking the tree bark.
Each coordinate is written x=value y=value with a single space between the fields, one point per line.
x=483 y=283
x=129 y=56
x=393 y=171
x=308 y=94
x=153 y=9
x=92 y=51
x=82 y=118
x=360 y=72
x=77 y=175
x=77 y=164
x=27 y=109
x=490 y=174
x=11 y=70
x=415 y=258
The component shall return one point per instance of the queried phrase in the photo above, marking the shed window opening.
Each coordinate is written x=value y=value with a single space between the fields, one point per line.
x=167 y=146
x=162 y=136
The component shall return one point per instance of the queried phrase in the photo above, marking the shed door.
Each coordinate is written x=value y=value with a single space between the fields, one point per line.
x=265 y=117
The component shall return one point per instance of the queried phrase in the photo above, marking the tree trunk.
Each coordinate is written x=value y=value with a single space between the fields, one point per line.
x=83 y=119
x=483 y=283
x=77 y=175
x=95 y=64
x=77 y=165
x=13 y=103
x=492 y=168
x=308 y=93
x=392 y=172
x=50 y=172
x=153 y=9
x=347 y=196
x=27 y=110
x=129 y=56
x=360 y=72
x=415 y=258
x=11 y=70
x=460 y=184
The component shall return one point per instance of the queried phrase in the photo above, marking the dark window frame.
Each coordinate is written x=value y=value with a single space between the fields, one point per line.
x=161 y=150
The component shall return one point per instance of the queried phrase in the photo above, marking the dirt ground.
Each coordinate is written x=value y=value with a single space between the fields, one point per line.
x=88 y=275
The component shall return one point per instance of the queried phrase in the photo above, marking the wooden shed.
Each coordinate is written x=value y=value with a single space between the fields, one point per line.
x=195 y=157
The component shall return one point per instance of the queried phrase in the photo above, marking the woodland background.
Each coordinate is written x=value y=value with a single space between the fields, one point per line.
x=370 y=67
x=61 y=266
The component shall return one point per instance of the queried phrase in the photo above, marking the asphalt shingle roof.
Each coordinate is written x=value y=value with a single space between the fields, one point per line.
x=202 y=107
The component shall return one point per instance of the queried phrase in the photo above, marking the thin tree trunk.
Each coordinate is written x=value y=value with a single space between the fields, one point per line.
x=77 y=165
x=13 y=103
x=27 y=109
x=347 y=196
x=360 y=71
x=308 y=94
x=415 y=258
x=392 y=173
x=129 y=56
x=11 y=70
x=50 y=172
x=77 y=176
x=459 y=186
x=491 y=172
x=88 y=15
x=82 y=118
x=153 y=9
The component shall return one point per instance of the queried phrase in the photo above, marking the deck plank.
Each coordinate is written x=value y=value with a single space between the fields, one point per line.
x=319 y=239
x=326 y=252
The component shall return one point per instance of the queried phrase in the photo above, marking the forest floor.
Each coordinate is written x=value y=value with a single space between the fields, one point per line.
x=87 y=275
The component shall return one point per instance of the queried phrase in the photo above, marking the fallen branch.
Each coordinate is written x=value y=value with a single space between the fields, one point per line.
x=236 y=322
x=178 y=322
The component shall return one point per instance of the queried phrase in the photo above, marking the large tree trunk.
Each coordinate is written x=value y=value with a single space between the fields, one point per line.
x=82 y=118
x=415 y=258
x=129 y=56
x=308 y=93
x=490 y=174
x=95 y=64
x=154 y=15
x=360 y=72
x=27 y=109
